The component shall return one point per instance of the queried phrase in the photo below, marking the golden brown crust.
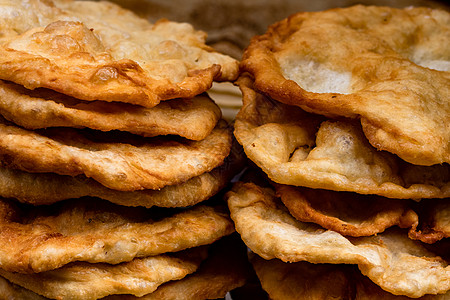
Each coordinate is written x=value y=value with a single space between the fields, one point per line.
x=91 y=230
x=12 y=291
x=225 y=269
x=390 y=259
x=130 y=163
x=93 y=281
x=190 y=118
x=434 y=221
x=349 y=214
x=384 y=66
x=48 y=188
x=297 y=148
x=320 y=281
x=367 y=290
x=120 y=58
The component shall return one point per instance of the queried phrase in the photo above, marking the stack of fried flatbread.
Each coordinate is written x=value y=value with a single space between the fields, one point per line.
x=346 y=112
x=111 y=153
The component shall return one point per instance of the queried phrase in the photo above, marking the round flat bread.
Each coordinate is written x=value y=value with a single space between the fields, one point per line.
x=37 y=239
x=192 y=118
x=294 y=147
x=99 y=51
x=225 y=269
x=285 y=281
x=290 y=281
x=138 y=277
x=394 y=262
x=119 y=161
x=387 y=67
x=48 y=188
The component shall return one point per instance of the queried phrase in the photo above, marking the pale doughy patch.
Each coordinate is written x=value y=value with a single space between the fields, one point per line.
x=386 y=67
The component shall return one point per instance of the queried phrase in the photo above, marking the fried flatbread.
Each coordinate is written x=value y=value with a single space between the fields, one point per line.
x=15 y=18
x=349 y=214
x=99 y=51
x=91 y=230
x=436 y=221
x=297 y=148
x=48 y=188
x=386 y=67
x=225 y=269
x=13 y=291
x=319 y=281
x=109 y=21
x=394 y=262
x=190 y=118
x=121 y=162
x=93 y=281
x=367 y=290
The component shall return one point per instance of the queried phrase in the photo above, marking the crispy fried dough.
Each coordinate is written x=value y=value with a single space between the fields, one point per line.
x=123 y=163
x=14 y=18
x=356 y=215
x=225 y=269
x=157 y=39
x=396 y=263
x=436 y=221
x=99 y=51
x=48 y=237
x=48 y=188
x=320 y=281
x=93 y=281
x=349 y=214
x=190 y=118
x=12 y=291
x=296 y=148
x=367 y=290
x=387 y=67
